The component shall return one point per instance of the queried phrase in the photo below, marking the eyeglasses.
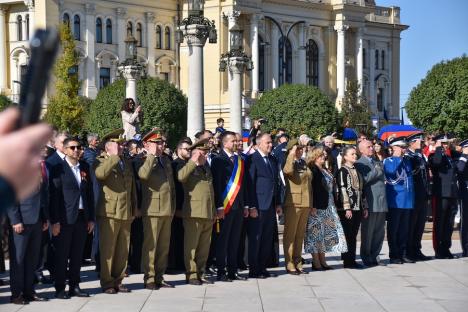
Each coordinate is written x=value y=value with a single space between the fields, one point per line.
x=74 y=147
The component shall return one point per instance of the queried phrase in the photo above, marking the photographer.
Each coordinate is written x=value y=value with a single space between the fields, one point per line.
x=254 y=131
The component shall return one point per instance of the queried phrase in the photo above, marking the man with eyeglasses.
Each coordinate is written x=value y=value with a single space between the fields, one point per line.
x=157 y=209
x=71 y=216
x=116 y=209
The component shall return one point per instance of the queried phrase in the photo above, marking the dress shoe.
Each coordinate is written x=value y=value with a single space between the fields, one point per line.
x=396 y=261
x=19 y=300
x=449 y=255
x=327 y=267
x=46 y=280
x=164 y=284
x=194 y=281
x=223 y=278
x=77 y=292
x=205 y=281
x=121 y=288
x=237 y=277
x=295 y=272
x=267 y=274
x=317 y=268
x=253 y=275
x=150 y=286
x=407 y=260
x=110 y=291
x=422 y=257
x=35 y=297
x=210 y=271
x=61 y=295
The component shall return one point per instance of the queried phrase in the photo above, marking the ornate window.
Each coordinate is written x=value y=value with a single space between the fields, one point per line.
x=27 y=26
x=285 y=63
x=261 y=64
x=312 y=71
x=109 y=31
x=66 y=19
x=383 y=59
x=104 y=77
x=129 y=28
x=376 y=59
x=158 y=37
x=167 y=37
x=19 y=24
x=139 y=33
x=99 y=30
x=76 y=27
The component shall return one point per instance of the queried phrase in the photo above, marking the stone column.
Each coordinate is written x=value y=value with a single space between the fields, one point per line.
x=121 y=32
x=3 y=61
x=113 y=70
x=151 y=44
x=131 y=73
x=359 y=58
x=372 y=101
x=91 y=91
x=255 y=53
x=340 y=61
x=302 y=55
x=30 y=5
x=236 y=70
x=274 y=56
x=196 y=36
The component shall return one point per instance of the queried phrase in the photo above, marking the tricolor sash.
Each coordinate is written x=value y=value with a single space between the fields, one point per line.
x=234 y=184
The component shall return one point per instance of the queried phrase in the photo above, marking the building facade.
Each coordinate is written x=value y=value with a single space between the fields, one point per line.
x=316 y=42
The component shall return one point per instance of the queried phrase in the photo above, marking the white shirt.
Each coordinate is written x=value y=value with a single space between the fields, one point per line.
x=77 y=173
x=61 y=155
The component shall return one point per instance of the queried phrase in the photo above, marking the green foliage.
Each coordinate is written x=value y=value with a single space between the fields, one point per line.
x=4 y=102
x=297 y=108
x=163 y=106
x=355 y=111
x=66 y=109
x=439 y=103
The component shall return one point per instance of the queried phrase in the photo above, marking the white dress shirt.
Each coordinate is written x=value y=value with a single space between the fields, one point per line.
x=77 y=173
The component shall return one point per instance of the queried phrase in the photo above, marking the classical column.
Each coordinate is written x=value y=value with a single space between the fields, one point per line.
x=131 y=74
x=3 y=66
x=236 y=70
x=113 y=70
x=151 y=44
x=340 y=61
x=91 y=91
x=232 y=17
x=359 y=58
x=255 y=53
x=274 y=56
x=196 y=35
x=121 y=32
x=302 y=55
x=372 y=100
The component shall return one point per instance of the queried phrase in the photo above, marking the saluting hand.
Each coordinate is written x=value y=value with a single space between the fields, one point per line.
x=112 y=148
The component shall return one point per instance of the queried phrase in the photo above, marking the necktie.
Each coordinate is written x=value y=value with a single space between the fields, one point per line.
x=159 y=161
x=267 y=161
x=232 y=159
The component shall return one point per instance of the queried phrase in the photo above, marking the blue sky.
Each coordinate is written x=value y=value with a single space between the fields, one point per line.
x=438 y=31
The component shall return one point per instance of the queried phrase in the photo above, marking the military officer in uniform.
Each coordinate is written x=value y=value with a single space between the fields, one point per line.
x=198 y=212
x=462 y=170
x=158 y=207
x=115 y=211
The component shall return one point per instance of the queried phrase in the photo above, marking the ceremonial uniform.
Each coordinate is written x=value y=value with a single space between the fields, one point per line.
x=115 y=211
x=462 y=170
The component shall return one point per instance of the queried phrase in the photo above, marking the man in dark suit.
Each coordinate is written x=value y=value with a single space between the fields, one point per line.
x=462 y=170
x=231 y=205
x=28 y=219
x=72 y=217
x=264 y=185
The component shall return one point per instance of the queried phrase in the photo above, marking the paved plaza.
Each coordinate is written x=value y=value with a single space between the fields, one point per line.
x=436 y=285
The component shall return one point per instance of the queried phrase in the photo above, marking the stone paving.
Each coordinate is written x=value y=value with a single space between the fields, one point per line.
x=436 y=285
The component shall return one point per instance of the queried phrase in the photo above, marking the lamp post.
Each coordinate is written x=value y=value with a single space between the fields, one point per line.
x=196 y=29
x=130 y=69
x=237 y=62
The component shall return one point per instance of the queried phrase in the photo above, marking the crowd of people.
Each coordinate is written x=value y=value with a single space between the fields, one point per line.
x=211 y=206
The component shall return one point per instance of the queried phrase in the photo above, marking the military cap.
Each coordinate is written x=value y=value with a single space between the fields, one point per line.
x=442 y=138
x=414 y=137
x=463 y=143
x=114 y=136
x=397 y=141
x=291 y=144
x=154 y=135
x=201 y=145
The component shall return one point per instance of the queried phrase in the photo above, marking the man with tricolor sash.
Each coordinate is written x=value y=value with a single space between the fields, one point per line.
x=228 y=170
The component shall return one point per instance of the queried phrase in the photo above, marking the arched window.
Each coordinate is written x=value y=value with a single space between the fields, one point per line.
x=312 y=71
x=158 y=37
x=261 y=64
x=109 y=31
x=383 y=59
x=66 y=19
x=167 y=37
x=129 y=28
x=364 y=58
x=99 y=30
x=76 y=27
x=139 y=33
x=376 y=59
x=27 y=26
x=285 y=64
x=19 y=24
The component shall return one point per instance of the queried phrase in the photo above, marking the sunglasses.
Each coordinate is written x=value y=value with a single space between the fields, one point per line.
x=74 y=147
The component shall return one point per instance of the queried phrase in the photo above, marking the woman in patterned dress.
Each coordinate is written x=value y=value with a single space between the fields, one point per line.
x=324 y=230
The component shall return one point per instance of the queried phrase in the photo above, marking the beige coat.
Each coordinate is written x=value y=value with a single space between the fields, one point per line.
x=298 y=183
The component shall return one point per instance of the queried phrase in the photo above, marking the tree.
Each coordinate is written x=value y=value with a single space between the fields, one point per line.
x=66 y=108
x=163 y=106
x=439 y=103
x=355 y=109
x=4 y=102
x=297 y=108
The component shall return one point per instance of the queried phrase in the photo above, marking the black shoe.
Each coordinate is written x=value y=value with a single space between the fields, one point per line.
x=396 y=261
x=407 y=260
x=449 y=255
x=237 y=277
x=223 y=278
x=164 y=284
x=194 y=281
x=61 y=295
x=422 y=257
x=47 y=280
x=35 y=297
x=77 y=292
x=19 y=300
x=210 y=271
x=253 y=275
x=267 y=274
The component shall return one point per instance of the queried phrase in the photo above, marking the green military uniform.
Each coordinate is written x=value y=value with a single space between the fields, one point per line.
x=198 y=213
x=115 y=211
x=158 y=208
x=298 y=202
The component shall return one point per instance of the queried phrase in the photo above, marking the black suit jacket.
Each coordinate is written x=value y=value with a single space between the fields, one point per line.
x=65 y=194
x=319 y=188
x=264 y=186
x=444 y=174
x=32 y=209
x=221 y=169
